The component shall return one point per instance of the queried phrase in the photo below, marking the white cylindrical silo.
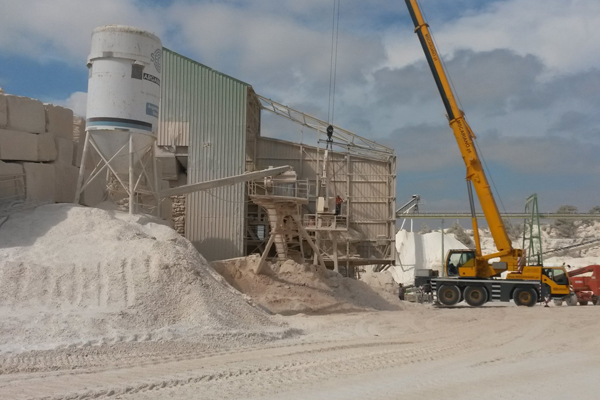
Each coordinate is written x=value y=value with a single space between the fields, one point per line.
x=125 y=66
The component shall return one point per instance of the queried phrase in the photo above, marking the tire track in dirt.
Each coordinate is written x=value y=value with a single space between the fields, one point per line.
x=190 y=364
x=472 y=346
x=123 y=355
x=359 y=359
x=310 y=362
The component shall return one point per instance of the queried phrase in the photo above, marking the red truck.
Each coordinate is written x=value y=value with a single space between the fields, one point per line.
x=587 y=288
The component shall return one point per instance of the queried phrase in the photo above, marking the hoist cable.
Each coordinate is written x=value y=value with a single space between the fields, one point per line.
x=337 y=31
x=331 y=62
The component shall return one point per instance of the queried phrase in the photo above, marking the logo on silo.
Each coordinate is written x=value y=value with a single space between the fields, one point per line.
x=156 y=58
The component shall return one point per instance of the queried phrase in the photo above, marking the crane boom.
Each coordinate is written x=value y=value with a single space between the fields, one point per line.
x=465 y=139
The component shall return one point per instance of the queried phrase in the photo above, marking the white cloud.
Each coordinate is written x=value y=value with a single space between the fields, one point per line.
x=277 y=53
x=76 y=101
x=563 y=33
x=61 y=29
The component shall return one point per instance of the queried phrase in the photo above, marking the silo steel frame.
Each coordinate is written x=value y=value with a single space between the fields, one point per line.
x=140 y=161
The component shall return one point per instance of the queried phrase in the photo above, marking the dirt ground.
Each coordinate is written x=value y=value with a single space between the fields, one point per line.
x=495 y=352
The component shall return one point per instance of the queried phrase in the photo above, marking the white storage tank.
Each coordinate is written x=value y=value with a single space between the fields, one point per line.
x=125 y=66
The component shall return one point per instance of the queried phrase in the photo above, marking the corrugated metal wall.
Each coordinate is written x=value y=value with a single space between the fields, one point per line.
x=368 y=187
x=206 y=110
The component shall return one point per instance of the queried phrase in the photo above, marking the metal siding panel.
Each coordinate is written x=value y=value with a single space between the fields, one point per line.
x=174 y=121
x=213 y=108
x=219 y=151
x=372 y=186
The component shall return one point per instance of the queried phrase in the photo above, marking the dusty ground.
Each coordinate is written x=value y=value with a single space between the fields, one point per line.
x=496 y=352
x=95 y=304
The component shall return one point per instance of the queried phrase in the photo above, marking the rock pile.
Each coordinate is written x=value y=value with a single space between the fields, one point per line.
x=77 y=275
x=292 y=288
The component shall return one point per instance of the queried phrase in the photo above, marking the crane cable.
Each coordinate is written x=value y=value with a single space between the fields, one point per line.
x=335 y=29
x=489 y=173
x=335 y=24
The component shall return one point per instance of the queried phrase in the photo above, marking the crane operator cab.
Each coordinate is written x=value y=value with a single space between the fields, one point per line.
x=555 y=282
x=557 y=274
x=457 y=260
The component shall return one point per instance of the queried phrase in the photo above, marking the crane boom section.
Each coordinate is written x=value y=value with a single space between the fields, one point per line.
x=465 y=139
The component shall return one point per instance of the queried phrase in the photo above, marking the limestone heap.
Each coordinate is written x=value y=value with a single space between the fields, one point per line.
x=72 y=275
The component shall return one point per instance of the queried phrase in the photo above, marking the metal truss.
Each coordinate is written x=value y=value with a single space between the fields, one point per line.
x=532 y=233
x=342 y=138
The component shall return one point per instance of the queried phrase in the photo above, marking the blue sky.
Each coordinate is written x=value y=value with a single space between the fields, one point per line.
x=526 y=73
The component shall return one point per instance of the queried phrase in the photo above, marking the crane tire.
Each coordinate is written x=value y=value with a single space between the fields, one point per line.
x=572 y=300
x=583 y=303
x=596 y=301
x=448 y=295
x=525 y=297
x=476 y=296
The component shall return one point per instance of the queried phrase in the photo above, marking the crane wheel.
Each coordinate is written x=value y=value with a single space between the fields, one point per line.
x=583 y=303
x=596 y=301
x=525 y=297
x=476 y=296
x=448 y=295
x=572 y=300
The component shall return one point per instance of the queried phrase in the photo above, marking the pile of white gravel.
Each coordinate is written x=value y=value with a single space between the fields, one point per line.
x=77 y=276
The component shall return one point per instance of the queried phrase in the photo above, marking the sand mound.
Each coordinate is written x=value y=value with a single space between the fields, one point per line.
x=382 y=282
x=71 y=274
x=291 y=288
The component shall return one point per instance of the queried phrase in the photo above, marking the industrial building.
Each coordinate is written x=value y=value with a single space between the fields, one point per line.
x=210 y=128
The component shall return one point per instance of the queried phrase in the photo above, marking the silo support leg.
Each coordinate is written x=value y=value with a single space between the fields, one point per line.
x=82 y=168
x=131 y=176
x=157 y=184
x=265 y=254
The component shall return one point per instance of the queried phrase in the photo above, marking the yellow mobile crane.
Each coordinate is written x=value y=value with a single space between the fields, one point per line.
x=469 y=273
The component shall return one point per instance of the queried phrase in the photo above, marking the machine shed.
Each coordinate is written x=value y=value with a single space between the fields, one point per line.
x=367 y=187
x=202 y=135
x=210 y=128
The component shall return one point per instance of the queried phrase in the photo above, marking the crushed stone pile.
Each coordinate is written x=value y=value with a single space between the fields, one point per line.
x=72 y=275
x=382 y=282
x=290 y=288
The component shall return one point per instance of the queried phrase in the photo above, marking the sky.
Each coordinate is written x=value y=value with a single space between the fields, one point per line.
x=526 y=73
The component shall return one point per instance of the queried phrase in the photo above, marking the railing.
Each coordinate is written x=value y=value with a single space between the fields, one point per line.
x=325 y=222
x=296 y=189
